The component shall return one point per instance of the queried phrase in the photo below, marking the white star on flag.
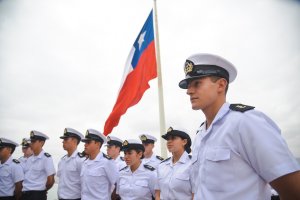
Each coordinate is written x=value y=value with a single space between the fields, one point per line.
x=141 y=39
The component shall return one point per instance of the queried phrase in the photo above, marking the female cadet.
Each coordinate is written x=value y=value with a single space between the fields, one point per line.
x=136 y=181
x=174 y=174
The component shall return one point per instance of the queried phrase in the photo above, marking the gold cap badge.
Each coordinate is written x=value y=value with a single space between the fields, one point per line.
x=188 y=67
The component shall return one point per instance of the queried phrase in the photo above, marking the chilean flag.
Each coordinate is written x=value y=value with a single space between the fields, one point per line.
x=140 y=69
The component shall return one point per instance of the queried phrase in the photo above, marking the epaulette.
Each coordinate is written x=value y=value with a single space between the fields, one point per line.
x=106 y=156
x=64 y=156
x=149 y=167
x=166 y=160
x=47 y=155
x=202 y=124
x=16 y=161
x=121 y=158
x=123 y=168
x=160 y=158
x=190 y=156
x=81 y=155
x=240 y=107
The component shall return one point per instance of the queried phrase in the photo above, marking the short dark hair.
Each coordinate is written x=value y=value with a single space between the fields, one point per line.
x=216 y=78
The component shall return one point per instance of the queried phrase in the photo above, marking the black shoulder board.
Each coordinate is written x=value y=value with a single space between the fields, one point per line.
x=47 y=155
x=16 y=161
x=122 y=158
x=240 y=107
x=190 y=156
x=106 y=156
x=159 y=158
x=123 y=168
x=63 y=156
x=149 y=167
x=81 y=155
x=166 y=160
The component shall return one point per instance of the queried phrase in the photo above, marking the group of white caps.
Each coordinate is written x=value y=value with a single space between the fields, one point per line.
x=89 y=132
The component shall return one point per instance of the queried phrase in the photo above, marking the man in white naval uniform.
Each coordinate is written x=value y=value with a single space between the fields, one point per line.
x=113 y=147
x=39 y=169
x=27 y=151
x=237 y=150
x=99 y=172
x=149 y=157
x=11 y=172
x=69 y=167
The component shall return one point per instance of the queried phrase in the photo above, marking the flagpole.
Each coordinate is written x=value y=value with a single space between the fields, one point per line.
x=162 y=122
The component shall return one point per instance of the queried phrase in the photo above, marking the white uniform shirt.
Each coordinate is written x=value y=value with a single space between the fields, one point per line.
x=23 y=161
x=68 y=172
x=120 y=163
x=138 y=185
x=175 y=180
x=10 y=173
x=153 y=161
x=36 y=170
x=97 y=178
x=238 y=155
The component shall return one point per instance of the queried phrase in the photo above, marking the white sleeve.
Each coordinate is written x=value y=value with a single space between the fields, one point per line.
x=49 y=166
x=263 y=147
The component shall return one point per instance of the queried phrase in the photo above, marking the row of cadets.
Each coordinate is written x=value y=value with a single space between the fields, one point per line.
x=11 y=172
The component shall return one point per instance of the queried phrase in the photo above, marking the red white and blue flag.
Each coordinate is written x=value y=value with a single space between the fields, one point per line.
x=140 y=69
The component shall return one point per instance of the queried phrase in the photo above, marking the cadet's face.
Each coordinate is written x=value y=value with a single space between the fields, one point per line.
x=4 y=152
x=112 y=151
x=148 y=148
x=36 y=145
x=175 y=144
x=131 y=157
x=68 y=143
x=91 y=146
x=27 y=151
x=203 y=93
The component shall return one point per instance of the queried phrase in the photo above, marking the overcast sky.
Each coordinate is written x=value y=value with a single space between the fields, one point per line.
x=61 y=63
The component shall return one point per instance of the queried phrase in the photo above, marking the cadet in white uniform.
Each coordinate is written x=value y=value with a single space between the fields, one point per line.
x=238 y=150
x=69 y=167
x=11 y=172
x=99 y=173
x=149 y=157
x=39 y=169
x=137 y=180
x=27 y=152
x=113 y=146
x=174 y=179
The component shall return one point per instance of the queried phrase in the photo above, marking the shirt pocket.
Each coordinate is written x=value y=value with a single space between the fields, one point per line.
x=218 y=169
x=5 y=176
x=37 y=171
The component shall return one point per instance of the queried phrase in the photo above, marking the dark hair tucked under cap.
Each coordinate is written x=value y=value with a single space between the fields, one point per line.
x=182 y=135
x=132 y=144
